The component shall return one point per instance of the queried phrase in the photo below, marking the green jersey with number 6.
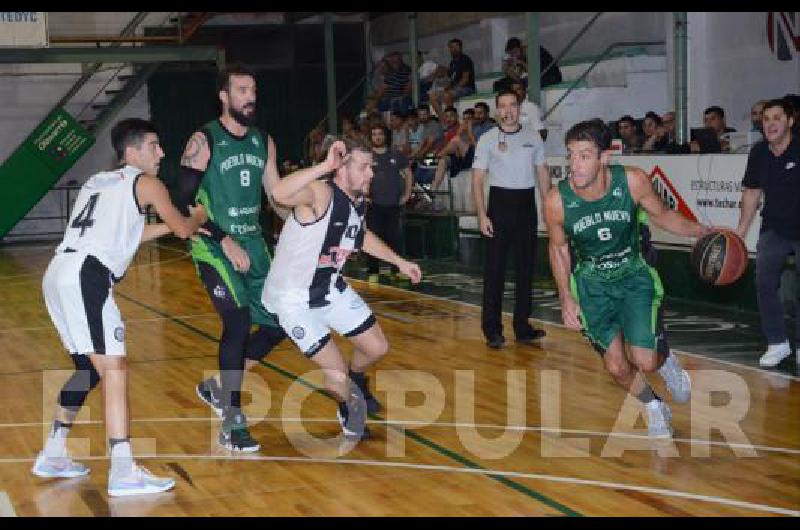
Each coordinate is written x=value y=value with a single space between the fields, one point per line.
x=231 y=188
x=604 y=233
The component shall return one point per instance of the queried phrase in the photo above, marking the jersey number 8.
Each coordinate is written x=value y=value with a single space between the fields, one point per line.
x=244 y=177
x=604 y=234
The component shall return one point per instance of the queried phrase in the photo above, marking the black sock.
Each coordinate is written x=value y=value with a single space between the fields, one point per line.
x=647 y=395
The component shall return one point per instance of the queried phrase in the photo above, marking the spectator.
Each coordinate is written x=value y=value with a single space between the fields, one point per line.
x=415 y=132
x=714 y=118
x=432 y=77
x=773 y=171
x=654 y=133
x=389 y=190
x=515 y=66
x=349 y=129
x=482 y=122
x=631 y=140
x=755 y=116
x=432 y=133
x=458 y=152
x=397 y=123
x=461 y=72
x=529 y=114
x=395 y=92
x=515 y=63
x=425 y=154
x=314 y=143
x=668 y=121
x=794 y=102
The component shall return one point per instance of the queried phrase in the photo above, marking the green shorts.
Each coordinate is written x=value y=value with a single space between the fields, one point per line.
x=628 y=305
x=229 y=289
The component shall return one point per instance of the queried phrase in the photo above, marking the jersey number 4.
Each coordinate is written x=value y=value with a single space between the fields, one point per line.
x=84 y=219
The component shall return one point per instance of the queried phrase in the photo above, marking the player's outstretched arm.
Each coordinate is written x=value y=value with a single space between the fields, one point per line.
x=295 y=189
x=642 y=192
x=558 y=250
x=150 y=191
x=377 y=248
x=271 y=177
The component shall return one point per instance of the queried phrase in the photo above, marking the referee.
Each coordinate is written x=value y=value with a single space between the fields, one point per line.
x=509 y=153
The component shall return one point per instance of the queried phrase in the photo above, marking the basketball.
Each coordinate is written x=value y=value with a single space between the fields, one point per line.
x=719 y=258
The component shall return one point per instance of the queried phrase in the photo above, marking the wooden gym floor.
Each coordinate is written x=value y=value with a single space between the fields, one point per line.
x=575 y=445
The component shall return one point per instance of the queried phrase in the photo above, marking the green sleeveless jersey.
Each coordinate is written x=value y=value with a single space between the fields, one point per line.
x=231 y=188
x=604 y=233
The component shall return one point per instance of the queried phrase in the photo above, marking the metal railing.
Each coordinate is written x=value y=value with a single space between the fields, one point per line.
x=65 y=204
x=597 y=61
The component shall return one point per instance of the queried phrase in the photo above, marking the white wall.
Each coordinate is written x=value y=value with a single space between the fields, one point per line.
x=731 y=65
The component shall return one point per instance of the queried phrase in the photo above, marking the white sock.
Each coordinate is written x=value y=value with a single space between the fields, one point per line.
x=121 y=457
x=56 y=444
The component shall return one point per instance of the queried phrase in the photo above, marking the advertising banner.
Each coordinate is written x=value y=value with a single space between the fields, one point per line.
x=23 y=29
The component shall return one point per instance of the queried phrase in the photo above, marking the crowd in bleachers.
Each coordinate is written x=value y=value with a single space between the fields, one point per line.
x=437 y=141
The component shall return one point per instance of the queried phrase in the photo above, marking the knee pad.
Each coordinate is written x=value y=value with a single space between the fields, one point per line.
x=74 y=392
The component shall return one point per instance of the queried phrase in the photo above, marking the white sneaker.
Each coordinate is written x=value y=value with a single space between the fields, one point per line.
x=58 y=467
x=677 y=379
x=775 y=354
x=140 y=481
x=658 y=419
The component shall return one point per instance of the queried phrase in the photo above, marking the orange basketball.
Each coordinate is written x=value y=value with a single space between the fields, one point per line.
x=719 y=258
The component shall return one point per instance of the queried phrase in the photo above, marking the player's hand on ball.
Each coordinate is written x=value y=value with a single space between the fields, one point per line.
x=411 y=270
x=569 y=312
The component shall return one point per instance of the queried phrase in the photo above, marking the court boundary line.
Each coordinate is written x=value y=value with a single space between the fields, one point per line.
x=409 y=434
x=559 y=325
x=437 y=424
x=492 y=473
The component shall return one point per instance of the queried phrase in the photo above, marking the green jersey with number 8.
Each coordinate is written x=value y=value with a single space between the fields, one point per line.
x=231 y=188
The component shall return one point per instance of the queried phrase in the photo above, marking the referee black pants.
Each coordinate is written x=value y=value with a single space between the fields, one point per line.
x=384 y=222
x=513 y=216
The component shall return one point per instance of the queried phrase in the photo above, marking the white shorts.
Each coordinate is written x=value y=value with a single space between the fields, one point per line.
x=309 y=328
x=77 y=292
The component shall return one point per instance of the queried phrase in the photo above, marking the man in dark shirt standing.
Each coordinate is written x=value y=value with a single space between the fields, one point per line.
x=389 y=191
x=773 y=171
x=461 y=72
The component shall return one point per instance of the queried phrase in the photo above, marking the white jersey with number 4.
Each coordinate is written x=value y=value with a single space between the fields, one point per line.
x=106 y=220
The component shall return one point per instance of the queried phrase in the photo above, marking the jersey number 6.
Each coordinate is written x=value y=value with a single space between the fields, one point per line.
x=604 y=234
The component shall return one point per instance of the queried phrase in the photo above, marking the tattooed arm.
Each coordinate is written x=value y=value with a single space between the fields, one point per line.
x=197 y=152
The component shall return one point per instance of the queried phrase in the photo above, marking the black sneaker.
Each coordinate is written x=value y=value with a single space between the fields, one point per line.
x=209 y=392
x=496 y=342
x=531 y=334
x=352 y=416
x=362 y=382
x=234 y=435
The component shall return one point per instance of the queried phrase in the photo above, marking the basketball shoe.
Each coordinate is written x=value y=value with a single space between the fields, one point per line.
x=659 y=418
x=58 y=467
x=234 y=434
x=209 y=391
x=775 y=354
x=677 y=379
x=137 y=481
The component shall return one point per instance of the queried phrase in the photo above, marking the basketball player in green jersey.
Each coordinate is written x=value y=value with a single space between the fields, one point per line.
x=226 y=167
x=613 y=295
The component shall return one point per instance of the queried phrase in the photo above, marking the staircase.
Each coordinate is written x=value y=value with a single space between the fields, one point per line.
x=38 y=210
